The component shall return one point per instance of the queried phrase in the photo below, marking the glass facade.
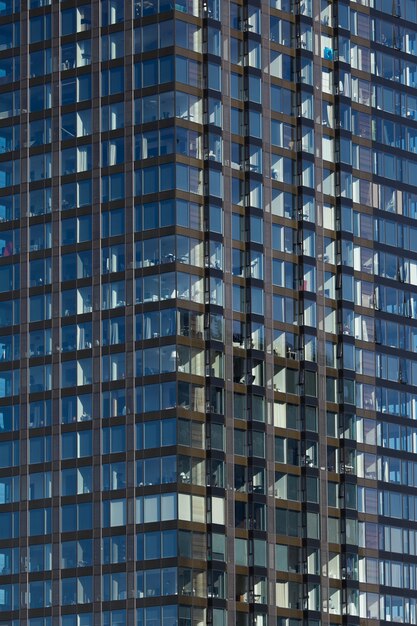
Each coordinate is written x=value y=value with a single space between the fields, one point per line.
x=208 y=312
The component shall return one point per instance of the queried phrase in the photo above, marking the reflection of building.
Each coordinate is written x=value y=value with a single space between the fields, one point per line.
x=208 y=295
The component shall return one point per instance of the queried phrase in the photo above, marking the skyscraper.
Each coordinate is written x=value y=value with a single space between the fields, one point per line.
x=208 y=311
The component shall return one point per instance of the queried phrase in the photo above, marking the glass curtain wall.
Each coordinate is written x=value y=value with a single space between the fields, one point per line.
x=208 y=304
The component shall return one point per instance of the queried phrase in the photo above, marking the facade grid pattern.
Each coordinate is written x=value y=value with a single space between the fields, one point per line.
x=208 y=312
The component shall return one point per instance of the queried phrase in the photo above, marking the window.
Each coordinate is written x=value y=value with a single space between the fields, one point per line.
x=113 y=259
x=114 y=513
x=76 y=590
x=39 y=449
x=157 y=544
x=76 y=444
x=157 y=71
x=159 y=470
x=112 y=12
x=188 y=71
x=156 y=433
x=114 y=549
x=158 y=507
x=113 y=403
x=76 y=481
x=9 y=523
x=76 y=517
x=112 y=116
x=40 y=28
x=76 y=553
x=76 y=89
x=39 y=486
x=112 y=46
x=76 y=20
x=112 y=187
x=114 y=476
x=76 y=124
x=113 y=439
x=76 y=54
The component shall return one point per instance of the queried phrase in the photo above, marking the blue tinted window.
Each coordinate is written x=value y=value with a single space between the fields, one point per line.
x=112 y=81
x=169 y=432
x=39 y=521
